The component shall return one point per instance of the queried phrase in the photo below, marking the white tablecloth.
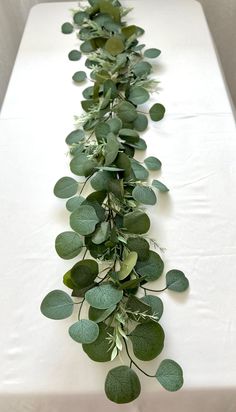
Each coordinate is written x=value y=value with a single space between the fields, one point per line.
x=41 y=368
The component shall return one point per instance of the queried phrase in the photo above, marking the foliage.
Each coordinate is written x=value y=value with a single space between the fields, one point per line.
x=110 y=223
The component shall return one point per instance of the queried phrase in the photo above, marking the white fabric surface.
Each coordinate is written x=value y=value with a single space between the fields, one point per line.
x=42 y=369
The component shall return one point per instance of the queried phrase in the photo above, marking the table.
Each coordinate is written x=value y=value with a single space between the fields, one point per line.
x=42 y=369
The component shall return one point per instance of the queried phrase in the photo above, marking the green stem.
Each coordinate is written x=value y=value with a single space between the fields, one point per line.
x=135 y=364
x=80 y=308
x=154 y=290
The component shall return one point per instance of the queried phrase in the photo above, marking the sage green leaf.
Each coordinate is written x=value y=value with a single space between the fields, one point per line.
x=129 y=31
x=65 y=187
x=57 y=305
x=68 y=245
x=79 y=17
x=131 y=284
x=147 y=340
x=123 y=162
x=83 y=220
x=176 y=280
x=101 y=131
x=122 y=385
x=157 y=112
x=107 y=8
x=140 y=145
x=88 y=92
x=144 y=194
x=104 y=296
x=74 y=55
x=139 y=245
x=75 y=137
x=129 y=135
x=137 y=222
x=160 y=186
x=152 y=163
x=152 y=267
x=67 y=280
x=127 y=265
x=152 y=53
x=138 y=95
x=139 y=171
x=87 y=46
x=126 y=112
x=84 y=272
x=116 y=187
x=73 y=203
x=115 y=124
x=141 y=122
x=114 y=45
x=111 y=149
x=84 y=331
x=99 y=315
x=79 y=76
x=67 y=28
x=77 y=164
x=110 y=85
x=99 y=350
x=142 y=69
x=156 y=305
x=100 y=180
x=170 y=375
x=137 y=309
x=101 y=234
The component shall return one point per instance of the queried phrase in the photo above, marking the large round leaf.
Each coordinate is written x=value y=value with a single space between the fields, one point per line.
x=104 y=296
x=65 y=187
x=73 y=203
x=99 y=315
x=148 y=340
x=100 y=180
x=101 y=234
x=84 y=331
x=74 y=55
x=151 y=268
x=138 y=95
x=157 y=112
x=75 y=137
x=83 y=220
x=160 y=186
x=114 y=45
x=139 y=171
x=137 y=222
x=99 y=350
x=131 y=136
x=122 y=385
x=57 y=305
x=68 y=245
x=176 y=280
x=139 y=245
x=126 y=112
x=170 y=375
x=142 y=69
x=156 y=304
x=84 y=273
x=67 y=28
x=152 y=163
x=79 y=76
x=144 y=194
x=141 y=122
x=115 y=124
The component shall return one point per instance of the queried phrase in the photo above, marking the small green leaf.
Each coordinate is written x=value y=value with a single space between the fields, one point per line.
x=114 y=45
x=136 y=307
x=157 y=112
x=129 y=135
x=152 y=267
x=144 y=194
x=176 y=280
x=65 y=187
x=148 y=340
x=152 y=163
x=101 y=131
x=84 y=331
x=137 y=222
x=111 y=149
x=101 y=233
x=99 y=350
x=104 y=296
x=141 y=122
x=139 y=171
x=122 y=385
x=170 y=375
x=142 y=69
x=156 y=304
x=140 y=145
x=75 y=137
x=127 y=265
x=99 y=315
x=115 y=124
x=79 y=76
x=67 y=28
x=100 y=180
x=138 y=95
x=83 y=220
x=68 y=245
x=74 y=55
x=73 y=203
x=84 y=272
x=87 y=47
x=139 y=245
x=79 y=17
x=160 y=186
x=126 y=112
x=152 y=53
x=57 y=305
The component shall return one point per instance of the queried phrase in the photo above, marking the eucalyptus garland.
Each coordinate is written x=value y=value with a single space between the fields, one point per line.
x=110 y=223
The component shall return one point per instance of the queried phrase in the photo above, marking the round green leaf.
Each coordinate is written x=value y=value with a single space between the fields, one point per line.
x=99 y=315
x=157 y=112
x=152 y=53
x=115 y=124
x=111 y=149
x=65 y=187
x=101 y=131
x=114 y=45
x=126 y=112
x=83 y=220
x=138 y=95
x=57 y=305
x=84 y=272
x=122 y=385
x=129 y=135
x=170 y=375
x=139 y=245
x=79 y=17
x=147 y=340
x=75 y=137
x=101 y=233
x=137 y=222
x=152 y=163
x=67 y=28
x=160 y=186
x=141 y=122
x=140 y=145
x=142 y=69
x=73 y=203
x=139 y=171
x=99 y=350
x=144 y=194
x=84 y=331
x=151 y=268
x=176 y=280
x=104 y=296
x=68 y=245
x=155 y=303
x=87 y=47
x=100 y=180
x=127 y=265
x=74 y=55
x=79 y=76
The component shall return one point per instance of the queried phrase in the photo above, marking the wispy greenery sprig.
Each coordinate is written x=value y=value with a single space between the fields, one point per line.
x=109 y=227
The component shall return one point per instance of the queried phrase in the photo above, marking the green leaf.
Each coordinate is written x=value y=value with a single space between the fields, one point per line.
x=152 y=53
x=129 y=135
x=68 y=245
x=137 y=307
x=99 y=315
x=126 y=112
x=83 y=220
x=101 y=131
x=157 y=112
x=114 y=45
x=176 y=280
x=160 y=186
x=79 y=76
x=170 y=375
x=111 y=149
x=57 y=305
x=65 y=187
x=87 y=47
x=131 y=284
x=140 y=145
x=104 y=296
x=101 y=233
x=148 y=340
x=75 y=137
x=123 y=162
x=139 y=171
x=151 y=268
x=99 y=350
x=110 y=85
x=84 y=272
x=144 y=194
x=79 y=17
x=137 y=222
x=115 y=124
x=127 y=265
x=142 y=69
x=77 y=164
x=141 y=122
x=139 y=245
x=138 y=95
x=155 y=303
x=100 y=180
x=67 y=28
x=84 y=331
x=73 y=203
x=74 y=55
x=122 y=385
x=116 y=187
x=152 y=163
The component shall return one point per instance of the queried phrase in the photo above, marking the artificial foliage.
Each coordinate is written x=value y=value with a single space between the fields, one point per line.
x=109 y=227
